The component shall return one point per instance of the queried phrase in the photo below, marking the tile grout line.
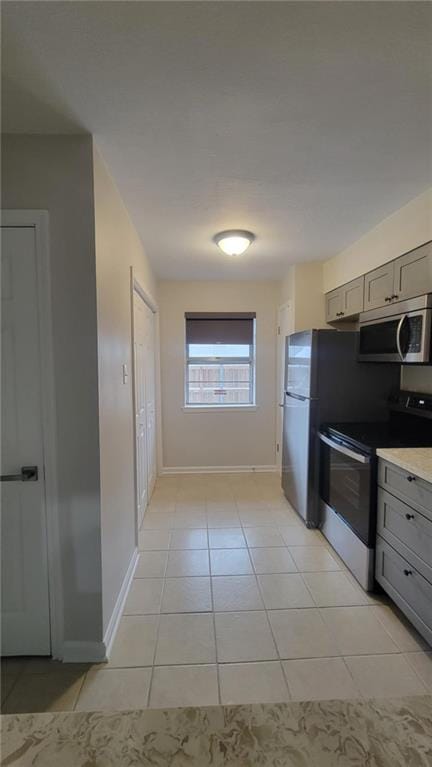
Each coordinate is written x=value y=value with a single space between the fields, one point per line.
x=214 y=636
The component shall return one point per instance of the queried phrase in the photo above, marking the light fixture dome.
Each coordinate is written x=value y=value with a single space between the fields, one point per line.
x=234 y=242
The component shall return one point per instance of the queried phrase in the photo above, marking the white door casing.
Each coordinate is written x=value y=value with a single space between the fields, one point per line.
x=25 y=592
x=284 y=328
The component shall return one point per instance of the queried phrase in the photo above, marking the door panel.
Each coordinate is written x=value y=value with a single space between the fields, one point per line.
x=145 y=404
x=299 y=364
x=334 y=304
x=353 y=297
x=379 y=286
x=284 y=329
x=25 y=601
x=140 y=409
x=295 y=456
x=413 y=273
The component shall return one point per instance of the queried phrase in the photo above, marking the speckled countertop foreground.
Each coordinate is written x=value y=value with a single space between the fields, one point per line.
x=378 y=733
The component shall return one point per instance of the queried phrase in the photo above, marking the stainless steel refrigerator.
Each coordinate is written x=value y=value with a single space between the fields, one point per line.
x=325 y=382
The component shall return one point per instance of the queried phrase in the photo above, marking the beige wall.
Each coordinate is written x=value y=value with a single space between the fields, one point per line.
x=417 y=378
x=118 y=247
x=54 y=173
x=404 y=230
x=217 y=438
x=303 y=286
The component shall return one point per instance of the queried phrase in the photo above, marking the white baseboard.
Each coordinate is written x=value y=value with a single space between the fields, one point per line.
x=97 y=652
x=118 y=607
x=216 y=469
x=83 y=652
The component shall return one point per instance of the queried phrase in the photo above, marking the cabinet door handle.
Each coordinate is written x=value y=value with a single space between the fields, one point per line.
x=409 y=516
x=410 y=478
x=394 y=297
x=387 y=298
x=408 y=572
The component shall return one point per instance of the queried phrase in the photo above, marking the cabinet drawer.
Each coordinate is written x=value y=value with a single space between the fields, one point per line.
x=406 y=586
x=406 y=486
x=406 y=530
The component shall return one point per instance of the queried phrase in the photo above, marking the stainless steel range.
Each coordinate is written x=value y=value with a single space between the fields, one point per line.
x=348 y=481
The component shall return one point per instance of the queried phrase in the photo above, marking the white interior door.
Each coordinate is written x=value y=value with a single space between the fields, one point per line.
x=145 y=405
x=140 y=409
x=25 y=599
x=284 y=328
x=150 y=391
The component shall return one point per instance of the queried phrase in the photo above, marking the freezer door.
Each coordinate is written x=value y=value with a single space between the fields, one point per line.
x=299 y=363
x=296 y=452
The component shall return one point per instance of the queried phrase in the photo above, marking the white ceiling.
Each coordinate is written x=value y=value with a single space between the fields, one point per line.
x=306 y=123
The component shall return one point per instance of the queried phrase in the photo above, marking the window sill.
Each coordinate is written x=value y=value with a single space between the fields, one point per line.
x=219 y=408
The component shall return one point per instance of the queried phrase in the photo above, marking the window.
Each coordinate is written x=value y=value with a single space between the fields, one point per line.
x=220 y=359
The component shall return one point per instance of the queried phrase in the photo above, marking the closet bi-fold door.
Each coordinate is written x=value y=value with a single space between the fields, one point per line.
x=145 y=409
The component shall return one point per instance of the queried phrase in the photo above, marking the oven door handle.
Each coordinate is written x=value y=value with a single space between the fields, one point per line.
x=345 y=450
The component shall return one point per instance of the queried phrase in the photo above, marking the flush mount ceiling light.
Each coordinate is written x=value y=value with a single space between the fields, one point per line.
x=234 y=242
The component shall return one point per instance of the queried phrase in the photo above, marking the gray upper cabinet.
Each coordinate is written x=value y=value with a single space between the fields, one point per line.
x=353 y=297
x=346 y=301
x=379 y=287
x=408 y=276
x=334 y=305
x=413 y=273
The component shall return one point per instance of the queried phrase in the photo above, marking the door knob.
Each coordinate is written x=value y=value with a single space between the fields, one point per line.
x=28 y=474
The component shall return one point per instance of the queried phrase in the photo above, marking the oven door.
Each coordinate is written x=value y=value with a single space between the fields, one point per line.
x=399 y=338
x=348 y=487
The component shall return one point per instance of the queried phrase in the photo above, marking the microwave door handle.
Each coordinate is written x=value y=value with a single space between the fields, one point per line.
x=398 y=336
x=345 y=450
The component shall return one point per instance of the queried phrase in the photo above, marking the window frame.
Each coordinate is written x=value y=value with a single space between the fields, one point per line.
x=250 y=360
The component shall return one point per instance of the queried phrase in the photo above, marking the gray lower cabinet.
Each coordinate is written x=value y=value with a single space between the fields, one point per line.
x=413 y=273
x=346 y=301
x=406 y=530
x=403 y=565
x=407 y=486
x=404 y=584
x=379 y=287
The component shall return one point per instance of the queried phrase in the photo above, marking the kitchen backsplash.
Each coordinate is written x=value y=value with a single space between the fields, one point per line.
x=417 y=378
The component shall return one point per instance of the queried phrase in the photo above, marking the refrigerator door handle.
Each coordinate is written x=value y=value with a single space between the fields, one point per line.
x=296 y=396
x=345 y=450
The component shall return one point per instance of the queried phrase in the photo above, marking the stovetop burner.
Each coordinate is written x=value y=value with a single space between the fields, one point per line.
x=406 y=427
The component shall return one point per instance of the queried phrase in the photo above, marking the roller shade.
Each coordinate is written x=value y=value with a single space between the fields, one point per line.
x=219 y=328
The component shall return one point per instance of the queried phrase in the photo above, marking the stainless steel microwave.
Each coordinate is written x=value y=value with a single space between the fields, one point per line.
x=400 y=333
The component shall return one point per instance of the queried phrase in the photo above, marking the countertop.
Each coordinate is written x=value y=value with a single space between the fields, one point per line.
x=346 y=733
x=417 y=460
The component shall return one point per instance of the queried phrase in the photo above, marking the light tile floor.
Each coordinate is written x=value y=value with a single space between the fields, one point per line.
x=233 y=601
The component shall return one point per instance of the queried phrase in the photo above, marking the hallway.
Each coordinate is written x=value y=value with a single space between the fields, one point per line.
x=234 y=601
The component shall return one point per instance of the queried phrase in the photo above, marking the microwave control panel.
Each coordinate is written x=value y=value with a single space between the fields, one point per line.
x=415 y=334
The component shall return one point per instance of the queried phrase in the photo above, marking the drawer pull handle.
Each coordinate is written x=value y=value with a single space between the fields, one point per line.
x=409 y=516
x=408 y=572
x=410 y=478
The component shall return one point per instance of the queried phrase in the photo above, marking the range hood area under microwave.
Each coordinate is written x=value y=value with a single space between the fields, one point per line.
x=400 y=333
